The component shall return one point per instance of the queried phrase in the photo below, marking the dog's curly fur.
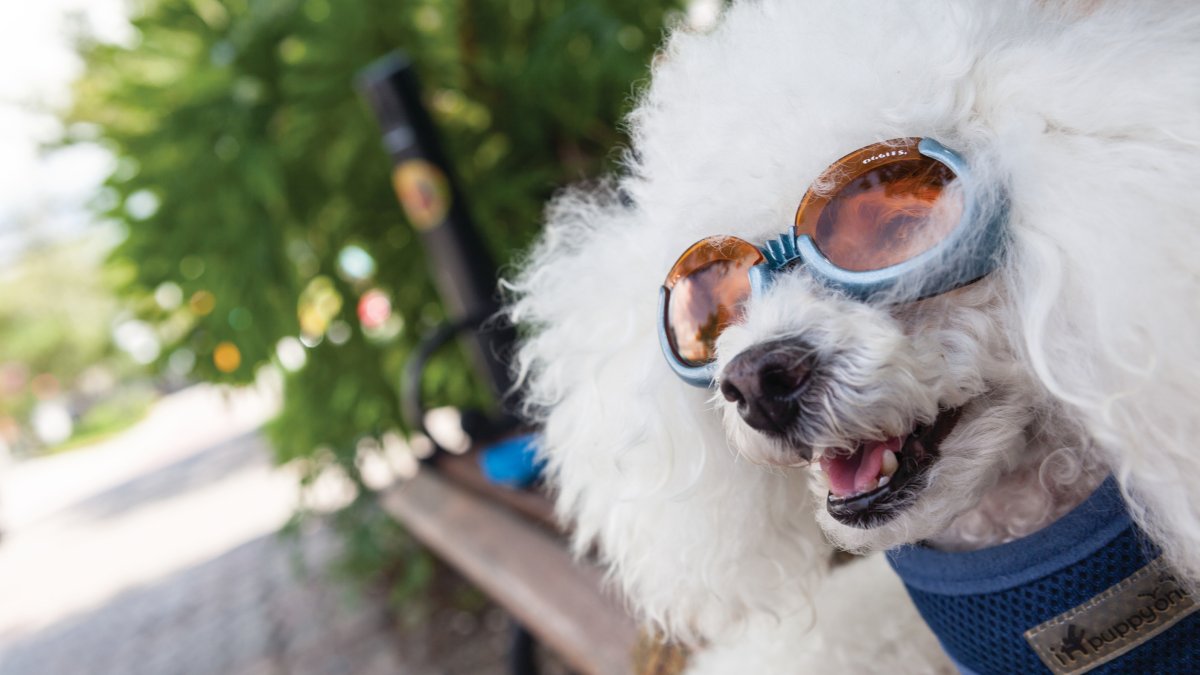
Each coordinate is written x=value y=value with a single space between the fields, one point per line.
x=1076 y=359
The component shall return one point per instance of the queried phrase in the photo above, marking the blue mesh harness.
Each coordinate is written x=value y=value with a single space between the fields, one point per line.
x=981 y=604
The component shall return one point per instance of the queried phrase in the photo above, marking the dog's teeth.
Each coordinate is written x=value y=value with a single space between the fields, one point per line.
x=884 y=480
x=871 y=485
x=890 y=464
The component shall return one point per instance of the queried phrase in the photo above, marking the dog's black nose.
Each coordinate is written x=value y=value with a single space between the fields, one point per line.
x=765 y=382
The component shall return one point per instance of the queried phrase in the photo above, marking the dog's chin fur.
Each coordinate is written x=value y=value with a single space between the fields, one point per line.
x=1075 y=360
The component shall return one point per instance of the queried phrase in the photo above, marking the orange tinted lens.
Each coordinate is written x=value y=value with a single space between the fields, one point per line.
x=880 y=206
x=706 y=289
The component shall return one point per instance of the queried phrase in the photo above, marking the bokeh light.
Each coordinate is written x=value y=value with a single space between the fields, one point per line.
x=240 y=318
x=291 y=354
x=227 y=357
x=13 y=376
x=319 y=303
x=355 y=263
x=142 y=205
x=302 y=256
x=339 y=332
x=52 y=422
x=202 y=303
x=45 y=386
x=137 y=339
x=374 y=308
x=227 y=148
x=168 y=295
x=379 y=322
x=181 y=361
x=191 y=267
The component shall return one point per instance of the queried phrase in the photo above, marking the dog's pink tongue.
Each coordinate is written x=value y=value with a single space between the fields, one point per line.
x=857 y=473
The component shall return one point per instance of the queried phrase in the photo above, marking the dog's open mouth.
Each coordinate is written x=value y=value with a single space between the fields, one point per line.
x=869 y=486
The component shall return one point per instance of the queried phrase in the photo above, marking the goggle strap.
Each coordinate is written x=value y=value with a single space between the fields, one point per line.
x=781 y=251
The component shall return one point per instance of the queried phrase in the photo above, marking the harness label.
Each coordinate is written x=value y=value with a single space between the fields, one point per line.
x=1112 y=623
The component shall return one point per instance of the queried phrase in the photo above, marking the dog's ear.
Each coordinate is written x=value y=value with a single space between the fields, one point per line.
x=1106 y=270
x=695 y=538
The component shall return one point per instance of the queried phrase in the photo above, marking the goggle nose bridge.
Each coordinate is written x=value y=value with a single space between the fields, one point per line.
x=778 y=254
x=781 y=251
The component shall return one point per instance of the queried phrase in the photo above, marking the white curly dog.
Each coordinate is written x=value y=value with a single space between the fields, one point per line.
x=1005 y=402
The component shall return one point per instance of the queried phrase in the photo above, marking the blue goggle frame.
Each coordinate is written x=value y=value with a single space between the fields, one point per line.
x=969 y=252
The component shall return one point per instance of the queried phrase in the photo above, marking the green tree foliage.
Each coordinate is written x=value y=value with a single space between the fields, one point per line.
x=247 y=164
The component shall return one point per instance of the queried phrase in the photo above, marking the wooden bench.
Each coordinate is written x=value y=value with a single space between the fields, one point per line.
x=505 y=542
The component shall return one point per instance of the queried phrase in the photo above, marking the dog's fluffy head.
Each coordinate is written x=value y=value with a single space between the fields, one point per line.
x=1083 y=345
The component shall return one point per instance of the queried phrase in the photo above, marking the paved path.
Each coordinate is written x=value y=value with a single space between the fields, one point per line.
x=154 y=553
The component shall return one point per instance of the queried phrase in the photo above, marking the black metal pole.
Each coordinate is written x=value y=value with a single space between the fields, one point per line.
x=434 y=203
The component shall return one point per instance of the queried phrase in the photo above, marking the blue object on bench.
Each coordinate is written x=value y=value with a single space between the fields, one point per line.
x=512 y=462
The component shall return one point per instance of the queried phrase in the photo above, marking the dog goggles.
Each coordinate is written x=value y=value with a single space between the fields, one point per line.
x=893 y=222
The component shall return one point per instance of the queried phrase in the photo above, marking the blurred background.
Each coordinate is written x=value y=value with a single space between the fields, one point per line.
x=208 y=295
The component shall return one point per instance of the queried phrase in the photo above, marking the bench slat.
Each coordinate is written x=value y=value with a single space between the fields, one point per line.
x=522 y=568
x=463 y=470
